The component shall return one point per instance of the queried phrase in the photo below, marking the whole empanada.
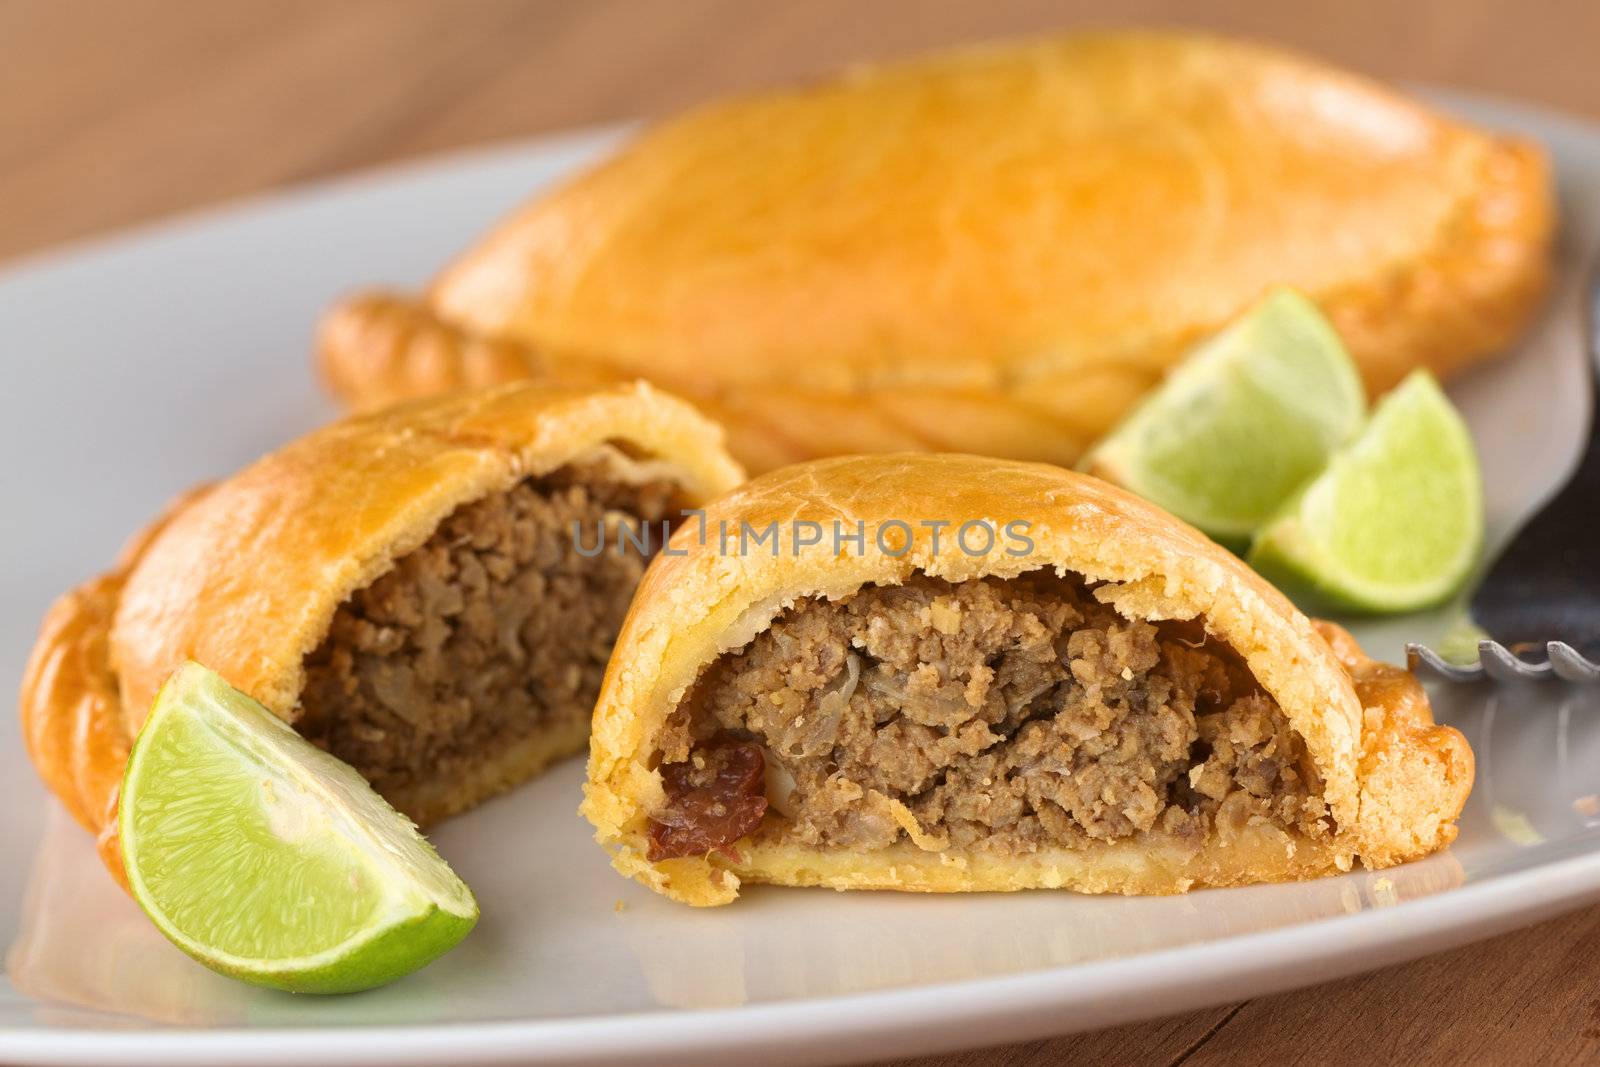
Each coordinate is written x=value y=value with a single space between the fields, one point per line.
x=994 y=250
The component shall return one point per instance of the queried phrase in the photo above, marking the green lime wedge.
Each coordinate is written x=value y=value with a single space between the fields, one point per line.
x=1244 y=421
x=1395 y=522
x=271 y=861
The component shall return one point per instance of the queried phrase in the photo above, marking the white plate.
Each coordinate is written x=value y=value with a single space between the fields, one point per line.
x=139 y=365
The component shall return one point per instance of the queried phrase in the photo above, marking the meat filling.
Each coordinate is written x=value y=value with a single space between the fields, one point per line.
x=1001 y=714
x=497 y=627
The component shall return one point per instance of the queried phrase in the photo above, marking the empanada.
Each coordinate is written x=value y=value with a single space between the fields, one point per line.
x=419 y=591
x=995 y=250
x=947 y=673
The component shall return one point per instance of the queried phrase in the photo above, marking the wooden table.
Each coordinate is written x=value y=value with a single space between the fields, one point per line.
x=120 y=111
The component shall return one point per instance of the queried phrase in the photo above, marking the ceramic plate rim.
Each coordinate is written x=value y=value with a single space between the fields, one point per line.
x=1408 y=929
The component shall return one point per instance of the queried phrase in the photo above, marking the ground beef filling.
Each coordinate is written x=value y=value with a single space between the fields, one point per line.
x=1002 y=714
x=494 y=629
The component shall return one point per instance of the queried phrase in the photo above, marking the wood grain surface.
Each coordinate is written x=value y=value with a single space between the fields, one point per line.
x=117 y=112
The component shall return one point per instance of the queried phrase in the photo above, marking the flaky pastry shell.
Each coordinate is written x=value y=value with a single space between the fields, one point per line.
x=995 y=250
x=1394 y=782
x=246 y=576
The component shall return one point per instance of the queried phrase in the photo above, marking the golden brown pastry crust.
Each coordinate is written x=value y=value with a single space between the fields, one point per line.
x=246 y=576
x=72 y=719
x=994 y=250
x=1394 y=782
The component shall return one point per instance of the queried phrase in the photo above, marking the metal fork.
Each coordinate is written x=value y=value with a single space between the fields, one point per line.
x=1544 y=590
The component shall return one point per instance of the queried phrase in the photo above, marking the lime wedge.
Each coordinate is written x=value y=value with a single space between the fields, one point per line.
x=271 y=861
x=1243 y=422
x=1395 y=522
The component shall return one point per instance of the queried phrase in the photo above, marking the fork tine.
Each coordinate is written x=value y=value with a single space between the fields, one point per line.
x=1570 y=665
x=1421 y=656
x=1501 y=665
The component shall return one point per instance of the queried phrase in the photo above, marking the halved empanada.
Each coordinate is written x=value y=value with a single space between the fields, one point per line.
x=947 y=673
x=407 y=588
